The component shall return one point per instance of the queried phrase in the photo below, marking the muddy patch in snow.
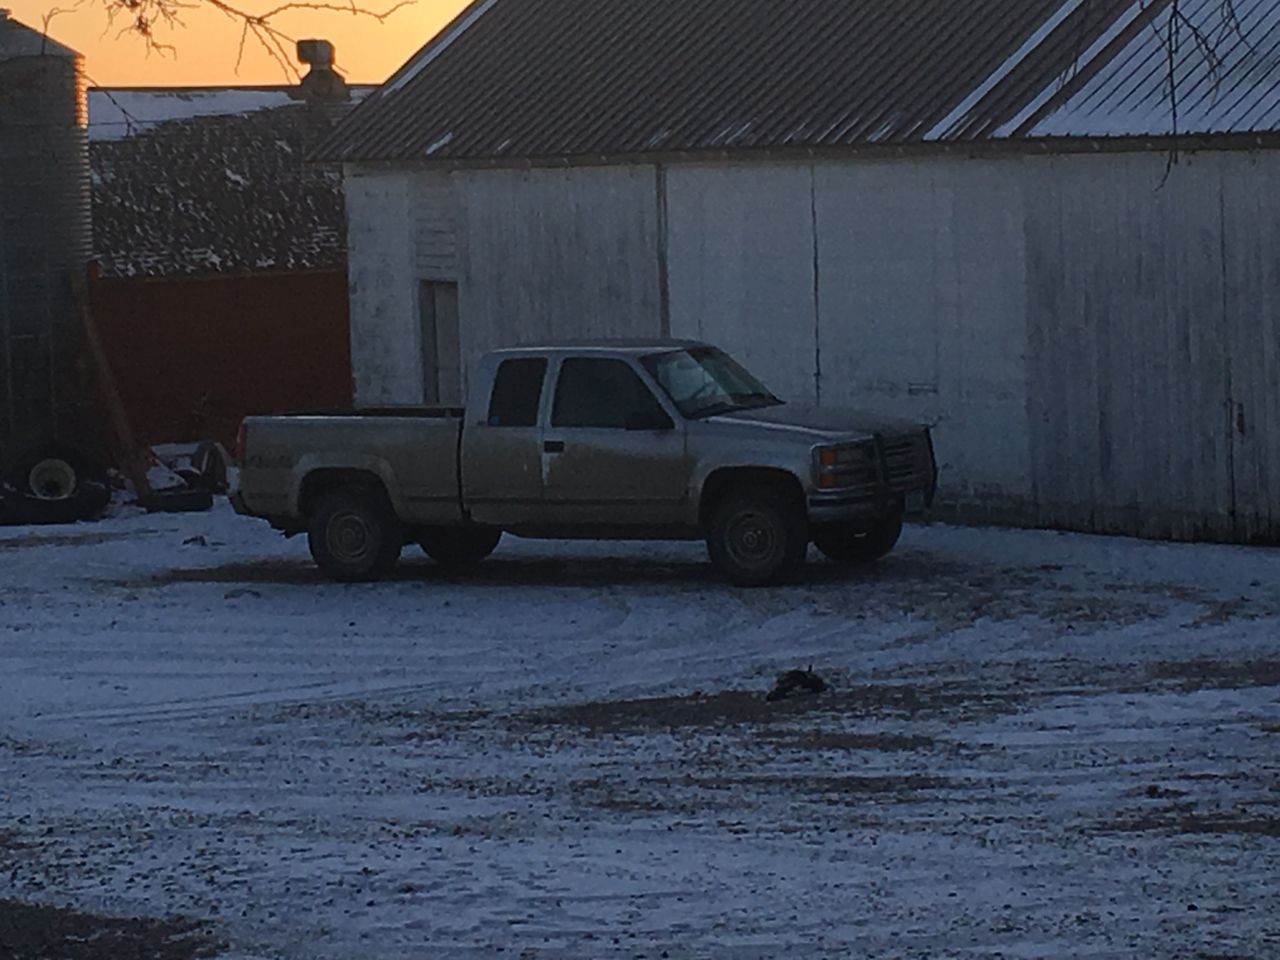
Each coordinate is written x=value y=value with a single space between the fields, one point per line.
x=62 y=540
x=808 y=786
x=35 y=932
x=1175 y=818
x=839 y=740
x=1205 y=674
x=741 y=707
x=289 y=572
x=11 y=844
x=553 y=572
x=696 y=795
x=17 y=746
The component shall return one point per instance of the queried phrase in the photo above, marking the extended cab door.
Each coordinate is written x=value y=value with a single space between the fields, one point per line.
x=502 y=446
x=613 y=456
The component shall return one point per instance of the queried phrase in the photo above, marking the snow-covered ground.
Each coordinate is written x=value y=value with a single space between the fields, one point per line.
x=1036 y=745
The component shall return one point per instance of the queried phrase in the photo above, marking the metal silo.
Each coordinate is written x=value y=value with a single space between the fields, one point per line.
x=46 y=438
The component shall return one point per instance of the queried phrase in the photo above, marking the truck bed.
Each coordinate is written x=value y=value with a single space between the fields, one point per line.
x=413 y=450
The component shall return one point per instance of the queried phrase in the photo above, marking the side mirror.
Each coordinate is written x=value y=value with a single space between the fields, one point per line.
x=655 y=419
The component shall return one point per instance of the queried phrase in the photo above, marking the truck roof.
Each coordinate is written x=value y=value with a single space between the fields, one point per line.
x=605 y=345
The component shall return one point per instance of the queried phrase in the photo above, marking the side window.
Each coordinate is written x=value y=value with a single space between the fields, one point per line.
x=600 y=393
x=517 y=388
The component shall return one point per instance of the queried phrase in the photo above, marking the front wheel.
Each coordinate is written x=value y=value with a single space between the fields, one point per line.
x=756 y=537
x=459 y=546
x=354 y=535
x=843 y=544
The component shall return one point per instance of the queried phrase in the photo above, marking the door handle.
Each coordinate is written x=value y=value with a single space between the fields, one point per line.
x=553 y=446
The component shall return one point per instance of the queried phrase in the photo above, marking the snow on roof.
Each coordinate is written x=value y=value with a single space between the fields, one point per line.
x=115 y=113
x=1227 y=77
x=121 y=113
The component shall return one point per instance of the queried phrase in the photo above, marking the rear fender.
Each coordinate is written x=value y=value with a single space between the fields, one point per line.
x=371 y=466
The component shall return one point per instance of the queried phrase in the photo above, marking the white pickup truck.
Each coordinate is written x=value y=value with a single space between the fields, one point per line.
x=664 y=439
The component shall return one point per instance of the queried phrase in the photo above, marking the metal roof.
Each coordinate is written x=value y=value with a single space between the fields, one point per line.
x=19 y=40
x=543 y=79
x=1227 y=78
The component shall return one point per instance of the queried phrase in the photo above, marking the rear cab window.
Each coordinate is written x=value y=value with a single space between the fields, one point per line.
x=517 y=392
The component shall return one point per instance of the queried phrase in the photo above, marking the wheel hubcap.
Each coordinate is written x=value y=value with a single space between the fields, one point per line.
x=348 y=537
x=751 y=539
x=52 y=479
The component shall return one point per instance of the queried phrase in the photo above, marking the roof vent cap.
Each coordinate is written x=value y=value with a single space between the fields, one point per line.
x=317 y=53
x=322 y=84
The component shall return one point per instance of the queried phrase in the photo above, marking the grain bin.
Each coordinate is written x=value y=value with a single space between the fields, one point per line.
x=47 y=436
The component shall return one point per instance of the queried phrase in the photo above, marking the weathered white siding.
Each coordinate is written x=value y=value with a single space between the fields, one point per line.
x=921 y=311
x=740 y=249
x=386 y=353
x=1251 y=271
x=1096 y=347
x=559 y=253
x=861 y=284
x=1127 y=381
x=437 y=226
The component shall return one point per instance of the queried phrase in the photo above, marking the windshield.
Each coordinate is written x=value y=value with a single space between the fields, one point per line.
x=704 y=381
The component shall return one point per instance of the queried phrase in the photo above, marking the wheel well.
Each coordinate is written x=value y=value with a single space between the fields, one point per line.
x=728 y=479
x=319 y=482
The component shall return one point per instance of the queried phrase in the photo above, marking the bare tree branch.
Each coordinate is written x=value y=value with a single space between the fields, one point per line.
x=146 y=19
x=131 y=123
x=1212 y=43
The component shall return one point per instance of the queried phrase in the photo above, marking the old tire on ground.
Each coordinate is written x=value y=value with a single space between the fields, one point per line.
x=458 y=546
x=56 y=483
x=843 y=544
x=757 y=536
x=354 y=534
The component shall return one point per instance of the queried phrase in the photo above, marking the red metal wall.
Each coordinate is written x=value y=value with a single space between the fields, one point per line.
x=192 y=357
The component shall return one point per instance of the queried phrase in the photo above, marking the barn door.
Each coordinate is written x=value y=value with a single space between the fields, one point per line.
x=1252 y=328
x=1128 y=359
x=441 y=352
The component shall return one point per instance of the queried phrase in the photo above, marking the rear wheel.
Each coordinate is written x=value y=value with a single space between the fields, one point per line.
x=757 y=536
x=354 y=535
x=459 y=546
x=848 y=545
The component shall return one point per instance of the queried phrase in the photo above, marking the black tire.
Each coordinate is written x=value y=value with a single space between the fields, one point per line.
x=757 y=536
x=210 y=461
x=354 y=535
x=88 y=503
x=847 y=545
x=459 y=546
x=56 y=483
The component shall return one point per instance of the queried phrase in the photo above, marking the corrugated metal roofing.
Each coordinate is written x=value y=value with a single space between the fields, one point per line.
x=537 y=79
x=1227 y=72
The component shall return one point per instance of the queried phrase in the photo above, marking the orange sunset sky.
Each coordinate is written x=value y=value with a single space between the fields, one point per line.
x=205 y=50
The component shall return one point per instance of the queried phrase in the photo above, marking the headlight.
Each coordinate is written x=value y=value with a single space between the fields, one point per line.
x=844 y=465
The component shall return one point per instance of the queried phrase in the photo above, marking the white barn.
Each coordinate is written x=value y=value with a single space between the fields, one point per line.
x=996 y=216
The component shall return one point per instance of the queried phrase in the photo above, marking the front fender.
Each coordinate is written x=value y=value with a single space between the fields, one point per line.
x=751 y=469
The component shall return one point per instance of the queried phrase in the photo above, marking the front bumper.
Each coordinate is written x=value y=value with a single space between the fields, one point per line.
x=905 y=472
